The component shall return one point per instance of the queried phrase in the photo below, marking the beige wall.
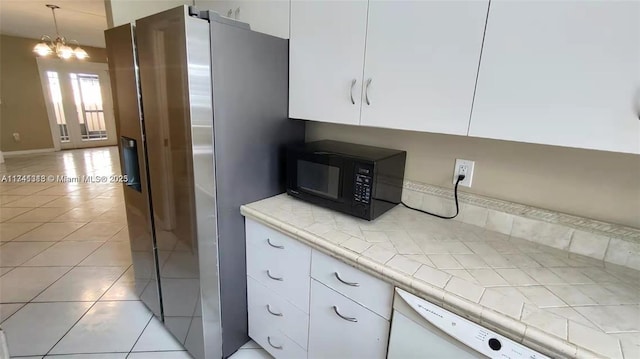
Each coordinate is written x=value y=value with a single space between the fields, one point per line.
x=593 y=184
x=23 y=108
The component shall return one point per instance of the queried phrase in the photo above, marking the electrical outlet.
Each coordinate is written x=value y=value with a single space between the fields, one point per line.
x=16 y=136
x=463 y=167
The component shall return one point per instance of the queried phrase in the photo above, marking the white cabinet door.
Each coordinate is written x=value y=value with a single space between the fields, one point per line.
x=325 y=57
x=266 y=16
x=561 y=73
x=342 y=328
x=422 y=60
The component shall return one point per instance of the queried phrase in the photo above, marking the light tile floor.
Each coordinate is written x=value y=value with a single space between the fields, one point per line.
x=66 y=280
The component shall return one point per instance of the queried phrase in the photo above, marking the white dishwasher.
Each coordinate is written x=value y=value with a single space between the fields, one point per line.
x=420 y=329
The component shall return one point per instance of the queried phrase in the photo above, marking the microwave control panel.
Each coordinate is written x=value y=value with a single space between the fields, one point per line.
x=362 y=185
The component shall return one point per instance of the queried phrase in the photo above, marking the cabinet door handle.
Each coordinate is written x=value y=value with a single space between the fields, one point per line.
x=353 y=84
x=637 y=103
x=272 y=312
x=274 y=245
x=230 y=12
x=272 y=277
x=353 y=284
x=275 y=346
x=351 y=319
x=237 y=13
x=366 y=92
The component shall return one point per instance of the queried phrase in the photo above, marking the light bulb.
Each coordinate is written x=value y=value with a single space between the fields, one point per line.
x=65 y=52
x=42 y=49
x=80 y=53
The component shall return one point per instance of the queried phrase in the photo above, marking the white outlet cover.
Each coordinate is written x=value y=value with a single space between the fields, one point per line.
x=468 y=179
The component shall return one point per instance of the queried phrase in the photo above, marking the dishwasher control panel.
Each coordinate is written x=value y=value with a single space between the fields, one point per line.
x=472 y=335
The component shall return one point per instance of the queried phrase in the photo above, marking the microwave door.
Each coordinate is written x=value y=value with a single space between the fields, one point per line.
x=322 y=179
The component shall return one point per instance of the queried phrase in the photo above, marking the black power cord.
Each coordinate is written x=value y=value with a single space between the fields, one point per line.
x=455 y=194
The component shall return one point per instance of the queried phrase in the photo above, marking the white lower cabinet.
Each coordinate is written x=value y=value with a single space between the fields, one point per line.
x=274 y=323
x=342 y=328
x=297 y=316
x=273 y=341
x=279 y=263
x=362 y=288
x=265 y=306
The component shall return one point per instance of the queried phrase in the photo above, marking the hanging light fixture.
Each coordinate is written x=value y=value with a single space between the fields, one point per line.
x=59 y=46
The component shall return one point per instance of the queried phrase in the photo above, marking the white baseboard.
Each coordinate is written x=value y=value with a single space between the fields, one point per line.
x=27 y=152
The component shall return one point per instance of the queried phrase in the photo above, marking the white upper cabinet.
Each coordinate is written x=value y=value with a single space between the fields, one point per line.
x=266 y=16
x=326 y=55
x=561 y=73
x=224 y=8
x=421 y=64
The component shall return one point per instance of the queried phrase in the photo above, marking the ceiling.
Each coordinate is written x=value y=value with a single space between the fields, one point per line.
x=81 y=20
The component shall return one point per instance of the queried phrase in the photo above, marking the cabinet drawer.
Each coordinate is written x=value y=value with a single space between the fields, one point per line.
x=274 y=242
x=266 y=307
x=341 y=328
x=284 y=270
x=274 y=342
x=361 y=287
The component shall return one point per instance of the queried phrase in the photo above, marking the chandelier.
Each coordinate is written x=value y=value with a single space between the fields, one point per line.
x=59 y=46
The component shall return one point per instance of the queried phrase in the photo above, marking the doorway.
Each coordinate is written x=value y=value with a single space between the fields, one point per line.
x=79 y=105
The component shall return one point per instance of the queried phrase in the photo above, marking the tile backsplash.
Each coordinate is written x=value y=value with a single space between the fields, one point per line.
x=609 y=242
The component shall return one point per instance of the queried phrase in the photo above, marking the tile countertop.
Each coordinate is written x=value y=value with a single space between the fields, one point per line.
x=561 y=304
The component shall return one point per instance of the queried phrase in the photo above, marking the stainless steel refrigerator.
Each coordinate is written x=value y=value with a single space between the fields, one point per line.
x=201 y=107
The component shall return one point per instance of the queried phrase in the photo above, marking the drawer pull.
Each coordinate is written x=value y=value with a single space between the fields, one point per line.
x=272 y=277
x=272 y=312
x=274 y=245
x=275 y=346
x=335 y=309
x=353 y=284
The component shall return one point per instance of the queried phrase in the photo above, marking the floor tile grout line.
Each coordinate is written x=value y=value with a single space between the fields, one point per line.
x=60 y=241
x=36 y=227
x=30 y=301
x=57 y=355
x=39 y=206
x=87 y=311
x=44 y=249
x=37 y=295
x=12 y=314
x=141 y=333
x=9 y=271
x=107 y=193
x=32 y=209
x=6 y=220
x=62 y=276
x=54 y=243
x=22 y=234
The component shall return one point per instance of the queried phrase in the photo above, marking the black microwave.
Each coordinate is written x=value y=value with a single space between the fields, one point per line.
x=363 y=181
